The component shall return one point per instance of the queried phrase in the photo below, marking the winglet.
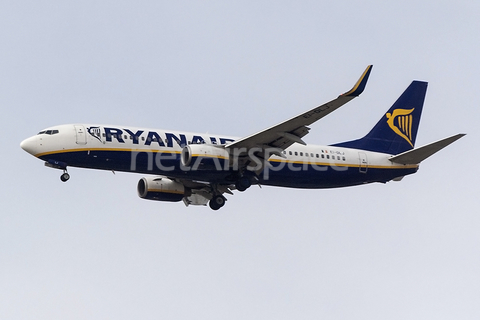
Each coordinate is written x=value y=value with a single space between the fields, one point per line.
x=360 y=85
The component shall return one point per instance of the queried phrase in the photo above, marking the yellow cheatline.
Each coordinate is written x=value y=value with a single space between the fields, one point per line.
x=165 y=191
x=326 y=164
x=224 y=158
x=208 y=156
x=105 y=149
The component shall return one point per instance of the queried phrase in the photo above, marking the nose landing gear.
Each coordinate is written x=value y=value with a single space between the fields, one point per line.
x=58 y=165
x=65 y=176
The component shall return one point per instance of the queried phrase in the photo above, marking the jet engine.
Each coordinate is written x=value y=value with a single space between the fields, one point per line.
x=205 y=157
x=160 y=189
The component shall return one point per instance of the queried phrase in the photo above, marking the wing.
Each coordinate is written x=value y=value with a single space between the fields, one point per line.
x=281 y=136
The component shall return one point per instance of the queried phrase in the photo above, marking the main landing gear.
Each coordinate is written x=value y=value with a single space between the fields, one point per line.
x=243 y=184
x=216 y=202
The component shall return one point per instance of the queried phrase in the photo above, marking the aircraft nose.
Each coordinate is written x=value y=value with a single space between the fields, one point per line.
x=29 y=145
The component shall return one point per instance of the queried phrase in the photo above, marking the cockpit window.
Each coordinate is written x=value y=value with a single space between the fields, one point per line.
x=49 y=132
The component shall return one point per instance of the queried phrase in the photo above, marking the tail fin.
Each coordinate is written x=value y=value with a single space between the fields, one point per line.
x=396 y=131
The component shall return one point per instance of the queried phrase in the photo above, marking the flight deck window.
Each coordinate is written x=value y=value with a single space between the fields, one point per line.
x=54 y=131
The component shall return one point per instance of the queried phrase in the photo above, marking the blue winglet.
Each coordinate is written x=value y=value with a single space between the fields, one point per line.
x=360 y=85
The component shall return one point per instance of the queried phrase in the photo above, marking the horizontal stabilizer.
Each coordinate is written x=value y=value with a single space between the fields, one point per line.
x=417 y=155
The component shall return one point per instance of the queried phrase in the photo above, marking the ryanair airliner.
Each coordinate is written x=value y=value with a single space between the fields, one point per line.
x=201 y=168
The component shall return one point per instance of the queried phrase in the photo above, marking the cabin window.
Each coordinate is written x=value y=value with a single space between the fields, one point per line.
x=296 y=153
x=317 y=155
x=343 y=158
x=328 y=157
x=301 y=154
x=143 y=138
x=290 y=152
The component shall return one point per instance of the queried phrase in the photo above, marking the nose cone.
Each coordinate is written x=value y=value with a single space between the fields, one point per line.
x=30 y=145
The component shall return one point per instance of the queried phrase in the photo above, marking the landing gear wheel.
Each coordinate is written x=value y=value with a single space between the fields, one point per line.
x=243 y=184
x=216 y=202
x=64 y=177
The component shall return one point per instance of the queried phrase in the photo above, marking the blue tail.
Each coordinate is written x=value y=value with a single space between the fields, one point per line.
x=396 y=131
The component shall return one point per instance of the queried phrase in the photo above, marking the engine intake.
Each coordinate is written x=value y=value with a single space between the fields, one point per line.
x=160 y=189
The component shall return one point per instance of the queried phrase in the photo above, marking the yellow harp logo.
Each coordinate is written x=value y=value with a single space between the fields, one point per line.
x=400 y=121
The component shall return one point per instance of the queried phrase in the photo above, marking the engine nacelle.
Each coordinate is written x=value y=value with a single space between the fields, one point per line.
x=160 y=189
x=205 y=157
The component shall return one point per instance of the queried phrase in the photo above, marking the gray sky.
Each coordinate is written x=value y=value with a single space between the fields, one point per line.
x=90 y=248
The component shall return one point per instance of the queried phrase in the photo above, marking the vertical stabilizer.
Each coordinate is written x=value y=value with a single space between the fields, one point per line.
x=396 y=131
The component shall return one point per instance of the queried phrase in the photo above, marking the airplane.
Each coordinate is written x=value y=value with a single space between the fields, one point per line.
x=201 y=168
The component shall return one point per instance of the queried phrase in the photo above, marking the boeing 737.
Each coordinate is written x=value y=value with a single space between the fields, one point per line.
x=201 y=168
